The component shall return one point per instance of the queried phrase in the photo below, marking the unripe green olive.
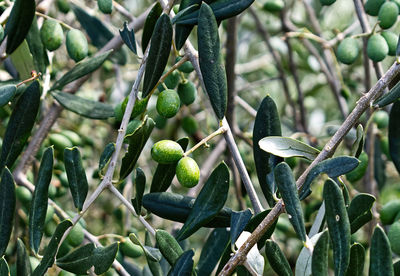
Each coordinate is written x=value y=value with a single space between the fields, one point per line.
x=166 y=152
x=391 y=40
x=187 y=172
x=387 y=15
x=187 y=92
x=360 y=170
x=327 y=2
x=63 y=6
x=77 y=45
x=76 y=236
x=381 y=118
x=186 y=67
x=347 y=51
x=189 y=125
x=171 y=81
x=274 y=5
x=129 y=249
x=51 y=34
x=105 y=6
x=168 y=103
x=59 y=141
x=372 y=6
x=394 y=237
x=377 y=48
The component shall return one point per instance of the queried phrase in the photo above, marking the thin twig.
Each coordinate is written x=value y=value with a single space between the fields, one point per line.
x=219 y=131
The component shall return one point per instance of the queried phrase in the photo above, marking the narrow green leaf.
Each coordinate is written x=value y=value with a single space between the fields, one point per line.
x=77 y=180
x=390 y=97
x=394 y=134
x=212 y=251
x=140 y=184
x=239 y=220
x=51 y=250
x=320 y=255
x=177 y=207
x=304 y=260
x=128 y=37
x=165 y=173
x=212 y=70
x=137 y=140
x=23 y=264
x=82 y=259
x=149 y=24
x=357 y=147
x=379 y=164
x=183 y=265
x=4 y=269
x=360 y=211
x=81 y=69
x=209 y=202
x=7 y=93
x=84 y=107
x=106 y=155
x=37 y=212
x=22 y=60
x=333 y=167
x=288 y=147
x=160 y=48
x=267 y=123
x=19 y=22
x=20 y=125
x=380 y=254
x=338 y=226
x=396 y=268
x=7 y=207
x=357 y=256
x=152 y=254
x=277 y=259
x=169 y=247
x=182 y=32
x=287 y=187
x=255 y=221
x=37 y=48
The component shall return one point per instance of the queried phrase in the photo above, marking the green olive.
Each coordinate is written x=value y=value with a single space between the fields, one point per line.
x=23 y=195
x=387 y=15
x=372 y=6
x=187 y=92
x=190 y=125
x=59 y=141
x=347 y=51
x=51 y=34
x=166 y=152
x=274 y=5
x=77 y=45
x=63 y=6
x=105 y=6
x=394 y=237
x=168 y=103
x=327 y=2
x=76 y=236
x=187 y=172
x=75 y=139
x=129 y=249
x=186 y=67
x=391 y=40
x=360 y=170
x=381 y=118
x=160 y=121
x=377 y=48
x=171 y=81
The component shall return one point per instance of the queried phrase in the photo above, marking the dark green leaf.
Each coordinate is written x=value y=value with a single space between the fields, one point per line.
x=212 y=70
x=267 y=123
x=239 y=220
x=7 y=93
x=106 y=155
x=379 y=164
x=222 y=9
x=77 y=180
x=304 y=260
x=182 y=31
x=51 y=250
x=81 y=69
x=212 y=250
x=287 y=188
x=396 y=268
x=23 y=263
x=380 y=254
x=357 y=256
x=390 y=97
x=37 y=212
x=169 y=247
x=209 y=202
x=255 y=221
x=4 y=269
x=149 y=24
x=7 y=207
x=20 y=125
x=360 y=211
x=333 y=167
x=338 y=226
x=37 y=48
x=357 y=147
x=152 y=254
x=86 y=108
x=287 y=147
x=128 y=37
x=160 y=48
x=19 y=22
x=82 y=259
x=394 y=134
x=177 y=207
x=164 y=173
x=140 y=184
x=320 y=255
x=277 y=259
x=137 y=140
x=183 y=265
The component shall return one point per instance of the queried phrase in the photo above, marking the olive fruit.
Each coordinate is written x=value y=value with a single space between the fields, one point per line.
x=187 y=172
x=387 y=15
x=166 y=152
x=391 y=40
x=389 y=211
x=274 y=5
x=394 y=237
x=168 y=103
x=377 y=48
x=187 y=92
x=105 y=6
x=129 y=249
x=118 y=112
x=186 y=67
x=171 y=81
x=372 y=6
x=59 y=141
x=360 y=170
x=51 y=34
x=23 y=195
x=347 y=51
x=381 y=118
x=397 y=3
x=63 y=6
x=138 y=108
x=160 y=121
x=76 y=236
x=189 y=125
x=75 y=139
x=327 y=2
x=77 y=45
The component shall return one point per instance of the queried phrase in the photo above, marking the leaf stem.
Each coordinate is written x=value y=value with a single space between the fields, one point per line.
x=219 y=131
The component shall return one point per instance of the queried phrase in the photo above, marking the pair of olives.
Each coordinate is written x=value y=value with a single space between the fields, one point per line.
x=169 y=152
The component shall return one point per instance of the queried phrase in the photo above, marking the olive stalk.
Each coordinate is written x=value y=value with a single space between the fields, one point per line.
x=65 y=25
x=219 y=131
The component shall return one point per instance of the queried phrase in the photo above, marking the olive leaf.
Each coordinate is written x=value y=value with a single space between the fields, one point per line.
x=37 y=48
x=239 y=221
x=182 y=32
x=394 y=134
x=380 y=254
x=7 y=204
x=287 y=147
x=388 y=98
x=106 y=155
x=128 y=37
x=277 y=259
x=319 y=261
x=360 y=211
x=23 y=264
x=7 y=93
x=140 y=184
x=169 y=247
x=4 y=269
x=150 y=23
x=357 y=257
x=183 y=265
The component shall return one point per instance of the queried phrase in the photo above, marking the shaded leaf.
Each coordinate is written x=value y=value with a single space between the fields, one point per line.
x=209 y=202
x=183 y=265
x=152 y=254
x=169 y=247
x=106 y=155
x=379 y=164
x=380 y=254
x=7 y=207
x=359 y=211
x=51 y=250
x=212 y=70
x=77 y=180
x=320 y=255
x=160 y=48
x=394 y=134
x=38 y=209
x=304 y=260
x=23 y=263
x=140 y=184
x=357 y=256
x=18 y=23
x=7 y=93
x=255 y=221
x=388 y=98
x=149 y=24
x=287 y=147
x=22 y=60
x=277 y=259
x=20 y=125
x=128 y=37
x=182 y=32
x=358 y=144
x=4 y=269
x=239 y=220
x=254 y=258
x=37 y=48
x=84 y=107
